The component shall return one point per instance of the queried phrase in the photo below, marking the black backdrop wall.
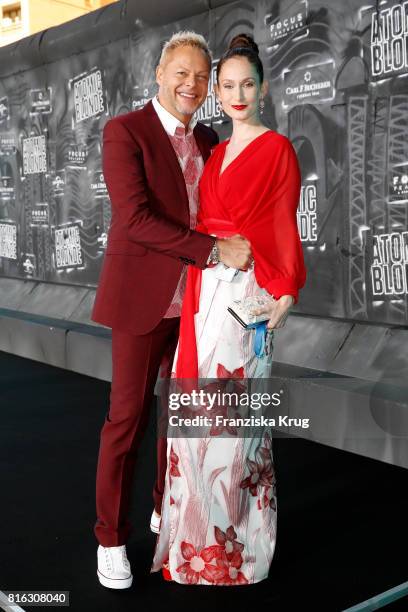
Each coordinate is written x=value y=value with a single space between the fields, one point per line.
x=338 y=88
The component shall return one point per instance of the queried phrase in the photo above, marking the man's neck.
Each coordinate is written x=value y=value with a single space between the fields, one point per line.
x=184 y=119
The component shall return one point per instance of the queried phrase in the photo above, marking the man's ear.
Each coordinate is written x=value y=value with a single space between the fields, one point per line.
x=159 y=74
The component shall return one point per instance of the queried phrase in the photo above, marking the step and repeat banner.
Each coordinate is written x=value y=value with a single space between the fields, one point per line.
x=338 y=88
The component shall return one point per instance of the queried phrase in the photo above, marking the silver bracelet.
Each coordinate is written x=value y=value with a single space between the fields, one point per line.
x=214 y=255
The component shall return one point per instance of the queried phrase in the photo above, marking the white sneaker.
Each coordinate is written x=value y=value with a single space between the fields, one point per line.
x=155 y=522
x=113 y=567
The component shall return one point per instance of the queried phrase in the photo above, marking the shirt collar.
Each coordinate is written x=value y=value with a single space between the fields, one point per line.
x=169 y=121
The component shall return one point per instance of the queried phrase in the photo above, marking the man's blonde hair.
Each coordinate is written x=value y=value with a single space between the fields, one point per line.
x=186 y=39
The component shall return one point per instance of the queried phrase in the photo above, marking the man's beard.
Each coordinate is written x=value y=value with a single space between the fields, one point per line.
x=172 y=99
x=189 y=113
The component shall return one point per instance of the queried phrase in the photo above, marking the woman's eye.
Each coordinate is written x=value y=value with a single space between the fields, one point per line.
x=249 y=84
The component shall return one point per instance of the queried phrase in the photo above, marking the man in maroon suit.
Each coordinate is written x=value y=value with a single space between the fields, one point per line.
x=152 y=161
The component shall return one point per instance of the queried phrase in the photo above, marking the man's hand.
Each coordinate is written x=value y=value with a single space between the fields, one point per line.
x=277 y=311
x=235 y=252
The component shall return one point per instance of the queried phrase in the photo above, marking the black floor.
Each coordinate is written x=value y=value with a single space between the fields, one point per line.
x=342 y=519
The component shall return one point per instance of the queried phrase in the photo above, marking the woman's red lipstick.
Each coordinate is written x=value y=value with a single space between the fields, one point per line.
x=239 y=106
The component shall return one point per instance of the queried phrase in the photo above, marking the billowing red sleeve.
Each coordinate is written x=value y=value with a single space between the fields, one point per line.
x=266 y=216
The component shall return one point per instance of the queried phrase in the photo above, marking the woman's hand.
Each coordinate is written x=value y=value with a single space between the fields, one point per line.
x=234 y=252
x=277 y=311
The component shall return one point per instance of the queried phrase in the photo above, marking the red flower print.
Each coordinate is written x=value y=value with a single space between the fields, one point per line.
x=214 y=410
x=198 y=564
x=217 y=429
x=218 y=564
x=222 y=372
x=235 y=375
x=229 y=542
x=261 y=473
x=265 y=451
x=230 y=569
x=268 y=498
x=174 y=471
x=226 y=379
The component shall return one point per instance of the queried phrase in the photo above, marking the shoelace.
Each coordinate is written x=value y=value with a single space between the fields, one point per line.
x=108 y=560
x=125 y=560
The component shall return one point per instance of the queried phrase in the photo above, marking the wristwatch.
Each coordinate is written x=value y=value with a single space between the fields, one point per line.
x=214 y=257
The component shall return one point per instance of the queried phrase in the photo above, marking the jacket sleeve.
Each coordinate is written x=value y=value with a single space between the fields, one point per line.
x=128 y=191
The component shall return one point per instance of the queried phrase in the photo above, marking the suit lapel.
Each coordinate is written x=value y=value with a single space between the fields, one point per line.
x=162 y=141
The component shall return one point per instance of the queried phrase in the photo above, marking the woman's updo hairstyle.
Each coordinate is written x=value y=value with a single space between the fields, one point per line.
x=243 y=45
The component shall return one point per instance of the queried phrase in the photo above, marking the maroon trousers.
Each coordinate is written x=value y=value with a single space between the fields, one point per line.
x=135 y=365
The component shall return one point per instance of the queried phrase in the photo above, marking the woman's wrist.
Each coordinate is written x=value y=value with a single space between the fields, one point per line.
x=286 y=300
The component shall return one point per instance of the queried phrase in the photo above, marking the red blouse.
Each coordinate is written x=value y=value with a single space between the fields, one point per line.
x=259 y=193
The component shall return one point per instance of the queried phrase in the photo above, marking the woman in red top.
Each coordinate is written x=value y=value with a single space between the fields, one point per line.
x=218 y=521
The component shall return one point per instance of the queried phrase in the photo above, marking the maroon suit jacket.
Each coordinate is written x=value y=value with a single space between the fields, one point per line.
x=149 y=238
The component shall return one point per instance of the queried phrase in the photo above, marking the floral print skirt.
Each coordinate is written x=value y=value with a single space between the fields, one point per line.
x=219 y=509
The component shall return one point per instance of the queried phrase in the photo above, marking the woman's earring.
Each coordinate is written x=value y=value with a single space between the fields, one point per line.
x=220 y=104
x=261 y=105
